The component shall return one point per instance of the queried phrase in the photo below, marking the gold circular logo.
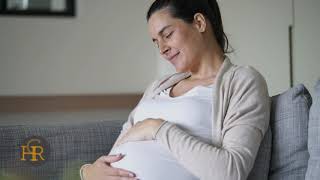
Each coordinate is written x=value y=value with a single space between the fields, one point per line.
x=35 y=150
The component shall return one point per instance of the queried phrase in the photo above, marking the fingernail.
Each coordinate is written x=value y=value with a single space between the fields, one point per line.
x=118 y=155
x=131 y=175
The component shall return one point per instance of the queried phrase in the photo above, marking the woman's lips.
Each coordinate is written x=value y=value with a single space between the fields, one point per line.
x=173 y=57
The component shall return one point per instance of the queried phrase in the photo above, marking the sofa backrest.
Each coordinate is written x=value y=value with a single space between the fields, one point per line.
x=289 y=125
x=283 y=153
x=313 y=172
x=70 y=147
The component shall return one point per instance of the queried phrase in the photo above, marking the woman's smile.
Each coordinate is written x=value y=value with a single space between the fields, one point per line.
x=174 y=57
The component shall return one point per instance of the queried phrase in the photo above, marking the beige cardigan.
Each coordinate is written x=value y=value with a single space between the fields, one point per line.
x=241 y=110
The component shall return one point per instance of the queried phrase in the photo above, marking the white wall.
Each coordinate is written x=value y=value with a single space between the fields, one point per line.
x=258 y=31
x=106 y=48
x=307 y=42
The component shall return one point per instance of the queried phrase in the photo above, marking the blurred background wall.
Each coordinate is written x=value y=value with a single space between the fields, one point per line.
x=104 y=49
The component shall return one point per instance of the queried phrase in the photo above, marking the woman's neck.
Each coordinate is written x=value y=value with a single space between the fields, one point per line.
x=209 y=65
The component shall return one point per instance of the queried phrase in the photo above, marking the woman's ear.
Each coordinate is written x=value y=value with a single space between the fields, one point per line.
x=200 y=22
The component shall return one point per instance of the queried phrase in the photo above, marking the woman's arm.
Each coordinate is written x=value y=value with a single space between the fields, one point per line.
x=245 y=123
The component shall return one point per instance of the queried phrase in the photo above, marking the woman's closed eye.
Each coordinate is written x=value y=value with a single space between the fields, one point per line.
x=167 y=36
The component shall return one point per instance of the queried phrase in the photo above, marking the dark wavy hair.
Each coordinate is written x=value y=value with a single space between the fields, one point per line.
x=186 y=9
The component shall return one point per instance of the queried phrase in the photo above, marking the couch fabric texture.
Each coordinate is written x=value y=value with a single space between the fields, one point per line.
x=313 y=172
x=289 y=124
x=70 y=146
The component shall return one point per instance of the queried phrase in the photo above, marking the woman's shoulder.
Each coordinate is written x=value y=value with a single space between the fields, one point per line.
x=228 y=70
x=241 y=78
x=241 y=73
x=246 y=72
x=247 y=78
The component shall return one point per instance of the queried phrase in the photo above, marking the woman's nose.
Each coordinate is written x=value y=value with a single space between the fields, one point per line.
x=163 y=48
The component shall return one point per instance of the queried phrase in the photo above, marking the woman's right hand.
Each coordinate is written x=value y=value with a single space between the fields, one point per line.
x=102 y=170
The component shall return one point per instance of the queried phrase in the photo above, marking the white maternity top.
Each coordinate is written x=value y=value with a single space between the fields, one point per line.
x=191 y=111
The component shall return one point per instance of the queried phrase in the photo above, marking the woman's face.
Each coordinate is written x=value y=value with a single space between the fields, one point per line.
x=178 y=42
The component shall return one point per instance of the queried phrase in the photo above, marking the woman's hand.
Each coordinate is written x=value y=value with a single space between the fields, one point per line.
x=141 y=131
x=102 y=170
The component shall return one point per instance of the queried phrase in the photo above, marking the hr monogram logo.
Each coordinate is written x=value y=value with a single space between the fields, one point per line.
x=35 y=150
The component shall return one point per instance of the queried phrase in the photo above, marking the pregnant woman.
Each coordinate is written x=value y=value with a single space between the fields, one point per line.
x=206 y=121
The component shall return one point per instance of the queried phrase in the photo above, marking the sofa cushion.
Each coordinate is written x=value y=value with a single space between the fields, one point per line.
x=70 y=147
x=289 y=125
x=313 y=172
x=260 y=169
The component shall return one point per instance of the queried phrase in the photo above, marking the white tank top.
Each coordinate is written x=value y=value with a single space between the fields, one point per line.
x=191 y=111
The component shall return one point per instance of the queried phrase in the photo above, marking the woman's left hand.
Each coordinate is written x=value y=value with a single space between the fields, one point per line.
x=141 y=131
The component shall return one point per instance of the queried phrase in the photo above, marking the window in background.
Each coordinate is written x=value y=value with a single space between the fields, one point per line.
x=37 y=7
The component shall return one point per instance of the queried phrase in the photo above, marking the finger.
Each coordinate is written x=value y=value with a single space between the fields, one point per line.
x=120 y=178
x=111 y=158
x=119 y=172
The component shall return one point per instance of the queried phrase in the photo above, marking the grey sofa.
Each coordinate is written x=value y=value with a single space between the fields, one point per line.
x=289 y=151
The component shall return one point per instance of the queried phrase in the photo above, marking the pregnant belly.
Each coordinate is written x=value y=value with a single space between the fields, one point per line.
x=150 y=161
